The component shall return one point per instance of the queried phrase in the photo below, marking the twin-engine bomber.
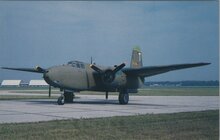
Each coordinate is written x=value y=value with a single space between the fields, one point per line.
x=80 y=76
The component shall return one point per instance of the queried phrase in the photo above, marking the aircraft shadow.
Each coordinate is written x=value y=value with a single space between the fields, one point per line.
x=43 y=102
x=95 y=102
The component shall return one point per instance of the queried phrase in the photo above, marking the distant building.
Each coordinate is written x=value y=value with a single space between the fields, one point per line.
x=24 y=84
x=37 y=83
x=155 y=85
x=11 y=83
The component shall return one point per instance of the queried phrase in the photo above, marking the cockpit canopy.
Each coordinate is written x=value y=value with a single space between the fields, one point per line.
x=77 y=64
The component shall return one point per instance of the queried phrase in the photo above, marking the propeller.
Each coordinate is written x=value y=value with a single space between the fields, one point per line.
x=96 y=68
x=108 y=75
x=40 y=70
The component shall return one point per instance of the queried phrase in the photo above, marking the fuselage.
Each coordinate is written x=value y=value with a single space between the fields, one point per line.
x=80 y=76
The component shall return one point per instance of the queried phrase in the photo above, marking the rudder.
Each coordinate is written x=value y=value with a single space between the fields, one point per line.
x=136 y=58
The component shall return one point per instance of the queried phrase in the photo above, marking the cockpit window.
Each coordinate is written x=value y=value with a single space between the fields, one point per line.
x=82 y=66
x=76 y=64
x=73 y=65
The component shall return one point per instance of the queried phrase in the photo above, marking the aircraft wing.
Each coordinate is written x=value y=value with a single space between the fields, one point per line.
x=37 y=69
x=154 y=70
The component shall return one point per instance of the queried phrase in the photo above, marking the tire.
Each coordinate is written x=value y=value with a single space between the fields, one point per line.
x=61 y=100
x=123 y=98
x=68 y=97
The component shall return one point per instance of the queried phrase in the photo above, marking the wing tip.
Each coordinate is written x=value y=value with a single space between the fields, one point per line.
x=206 y=63
x=4 y=67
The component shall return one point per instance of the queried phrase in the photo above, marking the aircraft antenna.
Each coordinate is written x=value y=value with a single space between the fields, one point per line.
x=91 y=60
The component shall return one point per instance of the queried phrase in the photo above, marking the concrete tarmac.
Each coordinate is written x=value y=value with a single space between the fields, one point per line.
x=95 y=106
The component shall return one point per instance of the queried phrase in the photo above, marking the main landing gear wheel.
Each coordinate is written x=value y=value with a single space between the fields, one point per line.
x=123 y=97
x=69 y=96
x=61 y=100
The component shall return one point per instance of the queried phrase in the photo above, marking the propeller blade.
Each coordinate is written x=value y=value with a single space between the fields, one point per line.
x=49 y=90
x=118 y=68
x=107 y=75
x=96 y=68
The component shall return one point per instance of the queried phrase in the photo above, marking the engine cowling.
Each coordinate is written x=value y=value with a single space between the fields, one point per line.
x=108 y=76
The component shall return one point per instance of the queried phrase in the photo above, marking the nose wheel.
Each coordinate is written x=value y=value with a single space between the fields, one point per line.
x=61 y=100
x=66 y=97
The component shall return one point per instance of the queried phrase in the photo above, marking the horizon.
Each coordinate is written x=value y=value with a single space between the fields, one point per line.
x=27 y=81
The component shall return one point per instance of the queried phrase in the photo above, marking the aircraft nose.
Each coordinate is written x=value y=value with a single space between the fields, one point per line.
x=46 y=77
x=50 y=78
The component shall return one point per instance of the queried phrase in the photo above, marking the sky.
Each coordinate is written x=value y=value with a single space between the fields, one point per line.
x=46 y=33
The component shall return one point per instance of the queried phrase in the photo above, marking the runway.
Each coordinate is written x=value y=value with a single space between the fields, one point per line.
x=95 y=106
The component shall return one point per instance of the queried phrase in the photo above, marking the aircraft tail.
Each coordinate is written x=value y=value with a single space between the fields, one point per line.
x=136 y=58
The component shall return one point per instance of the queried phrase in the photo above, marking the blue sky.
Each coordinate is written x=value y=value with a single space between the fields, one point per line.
x=52 y=33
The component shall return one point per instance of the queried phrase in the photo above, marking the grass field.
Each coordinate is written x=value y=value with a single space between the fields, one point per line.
x=180 y=91
x=202 y=125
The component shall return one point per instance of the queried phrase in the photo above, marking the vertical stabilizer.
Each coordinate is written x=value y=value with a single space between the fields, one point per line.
x=136 y=58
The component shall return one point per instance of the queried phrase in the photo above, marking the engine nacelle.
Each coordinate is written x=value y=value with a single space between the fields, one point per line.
x=108 y=76
x=111 y=78
x=114 y=80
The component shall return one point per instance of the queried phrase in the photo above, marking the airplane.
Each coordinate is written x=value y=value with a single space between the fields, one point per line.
x=76 y=76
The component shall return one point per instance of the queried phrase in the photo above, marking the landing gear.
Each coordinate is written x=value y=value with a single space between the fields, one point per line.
x=123 y=97
x=66 y=97
x=106 y=95
x=61 y=100
x=69 y=96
